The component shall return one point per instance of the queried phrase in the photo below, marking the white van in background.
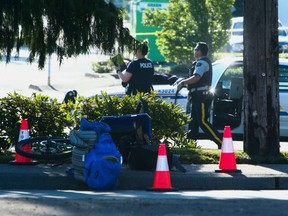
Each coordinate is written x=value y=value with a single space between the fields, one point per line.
x=235 y=43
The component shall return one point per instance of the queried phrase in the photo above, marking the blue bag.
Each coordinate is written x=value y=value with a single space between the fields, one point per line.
x=99 y=127
x=103 y=162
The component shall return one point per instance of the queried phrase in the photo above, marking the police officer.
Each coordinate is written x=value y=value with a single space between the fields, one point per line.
x=199 y=82
x=139 y=73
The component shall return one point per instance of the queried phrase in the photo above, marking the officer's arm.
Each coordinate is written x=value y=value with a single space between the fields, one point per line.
x=125 y=76
x=191 y=80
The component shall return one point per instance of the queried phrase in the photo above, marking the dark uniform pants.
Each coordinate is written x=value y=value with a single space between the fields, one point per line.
x=199 y=116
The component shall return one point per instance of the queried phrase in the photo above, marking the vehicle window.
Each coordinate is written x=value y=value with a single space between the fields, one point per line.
x=238 y=25
x=230 y=85
x=235 y=71
x=228 y=93
x=282 y=32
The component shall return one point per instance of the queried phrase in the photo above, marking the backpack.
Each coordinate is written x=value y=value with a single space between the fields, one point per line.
x=103 y=162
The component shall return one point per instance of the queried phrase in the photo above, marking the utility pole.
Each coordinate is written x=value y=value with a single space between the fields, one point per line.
x=261 y=87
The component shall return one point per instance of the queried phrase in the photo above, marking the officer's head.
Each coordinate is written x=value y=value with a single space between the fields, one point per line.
x=201 y=47
x=142 y=49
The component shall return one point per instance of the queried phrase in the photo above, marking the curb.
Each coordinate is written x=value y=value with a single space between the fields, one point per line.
x=197 y=177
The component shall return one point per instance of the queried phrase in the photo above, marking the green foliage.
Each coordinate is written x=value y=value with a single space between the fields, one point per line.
x=220 y=55
x=47 y=117
x=198 y=156
x=168 y=120
x=160 y=69
x=68 y=28
x=211 y=156
x=199 y=21
x=283 y=55
x=101 y=67
x=233 y=72
x=181 y=70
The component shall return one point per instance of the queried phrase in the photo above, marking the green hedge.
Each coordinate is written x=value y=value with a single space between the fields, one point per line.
x=46 y=117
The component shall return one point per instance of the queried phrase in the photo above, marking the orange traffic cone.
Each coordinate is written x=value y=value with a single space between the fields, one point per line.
x=227 y=161
x=24 y=134
x=162 y=181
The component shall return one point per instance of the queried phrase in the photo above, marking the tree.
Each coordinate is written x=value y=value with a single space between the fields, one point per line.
x=261 y=87
x=67 y=27
x=186 y=22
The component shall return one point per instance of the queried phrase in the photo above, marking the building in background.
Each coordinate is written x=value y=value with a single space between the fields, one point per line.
x=142 y=32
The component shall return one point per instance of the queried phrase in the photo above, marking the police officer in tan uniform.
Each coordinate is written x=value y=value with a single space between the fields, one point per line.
x=198 y=83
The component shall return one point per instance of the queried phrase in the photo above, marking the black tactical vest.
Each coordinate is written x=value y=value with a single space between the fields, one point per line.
x=206 y=79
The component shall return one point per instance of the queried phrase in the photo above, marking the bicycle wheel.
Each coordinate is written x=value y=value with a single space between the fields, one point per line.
x=45 y=148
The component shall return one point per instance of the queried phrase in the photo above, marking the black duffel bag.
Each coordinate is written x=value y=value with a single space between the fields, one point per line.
x=144 y=157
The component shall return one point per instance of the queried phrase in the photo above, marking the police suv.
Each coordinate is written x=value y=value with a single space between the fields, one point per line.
x=227 y=86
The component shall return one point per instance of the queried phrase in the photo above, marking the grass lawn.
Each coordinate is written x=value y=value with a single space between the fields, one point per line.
x=196 y=156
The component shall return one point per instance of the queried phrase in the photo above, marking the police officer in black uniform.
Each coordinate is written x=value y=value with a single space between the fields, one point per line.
x=139 y=73
x=199 y=82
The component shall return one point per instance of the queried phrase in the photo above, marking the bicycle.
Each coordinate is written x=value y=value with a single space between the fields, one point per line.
x=45 y=148
x=51 y=148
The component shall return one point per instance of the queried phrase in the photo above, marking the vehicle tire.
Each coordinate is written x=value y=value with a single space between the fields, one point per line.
x=45 y=148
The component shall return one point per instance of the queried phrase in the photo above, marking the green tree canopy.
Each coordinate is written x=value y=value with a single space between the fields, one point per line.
x=186 y=22
x=67 y=27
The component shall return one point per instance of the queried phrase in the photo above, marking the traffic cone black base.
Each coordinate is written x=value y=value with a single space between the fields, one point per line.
x=162 y=189
x=228 y=171
x=23 y=163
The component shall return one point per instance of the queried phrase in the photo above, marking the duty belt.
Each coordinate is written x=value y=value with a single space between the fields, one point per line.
x=202 y=88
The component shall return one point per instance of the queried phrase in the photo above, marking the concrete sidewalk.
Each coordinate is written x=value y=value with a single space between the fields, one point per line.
x=74 y=73
x=197 y=177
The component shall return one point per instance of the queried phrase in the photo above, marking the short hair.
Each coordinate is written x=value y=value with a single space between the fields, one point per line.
x=202 y=46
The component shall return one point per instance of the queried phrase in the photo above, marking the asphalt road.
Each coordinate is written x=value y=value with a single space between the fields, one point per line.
x=204 y=203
